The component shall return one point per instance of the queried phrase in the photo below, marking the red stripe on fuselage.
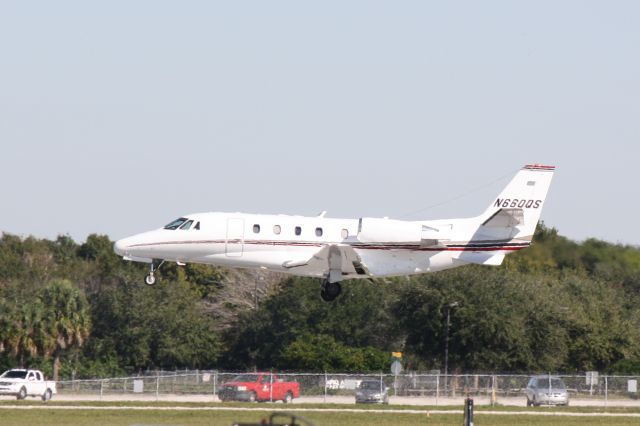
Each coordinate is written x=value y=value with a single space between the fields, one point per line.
x=458 y=247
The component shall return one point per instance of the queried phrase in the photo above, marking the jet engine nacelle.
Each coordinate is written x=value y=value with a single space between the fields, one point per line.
x=388 y=231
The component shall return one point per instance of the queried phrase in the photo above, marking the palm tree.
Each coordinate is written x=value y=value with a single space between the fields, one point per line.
x=67 y=321
x=21 y=329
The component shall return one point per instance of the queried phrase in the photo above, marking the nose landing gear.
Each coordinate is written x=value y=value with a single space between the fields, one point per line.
x=150 y=279
x=329 y=291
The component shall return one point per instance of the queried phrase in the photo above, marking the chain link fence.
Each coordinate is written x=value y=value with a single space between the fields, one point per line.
x=408 y=388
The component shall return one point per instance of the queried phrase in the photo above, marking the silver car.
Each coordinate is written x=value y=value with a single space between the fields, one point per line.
x=546 y=390
x=372 y=391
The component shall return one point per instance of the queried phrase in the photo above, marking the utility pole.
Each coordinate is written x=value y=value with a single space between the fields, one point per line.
x=446 y=345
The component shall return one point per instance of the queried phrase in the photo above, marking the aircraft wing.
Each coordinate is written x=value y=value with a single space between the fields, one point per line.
x=333 y=260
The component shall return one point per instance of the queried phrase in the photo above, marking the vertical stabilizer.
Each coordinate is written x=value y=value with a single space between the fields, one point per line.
x=517 y=209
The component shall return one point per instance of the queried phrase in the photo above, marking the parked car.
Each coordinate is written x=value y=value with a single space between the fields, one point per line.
x=546 y=390
x=22 y=383
x=372 y=391
x=259 y=387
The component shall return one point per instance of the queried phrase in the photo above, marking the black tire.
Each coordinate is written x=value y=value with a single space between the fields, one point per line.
x=253 y=397
x=47 y=395
x=330 y=291
x=288 y=398
x=22 y=394
x=325 y=296
x=529 y=404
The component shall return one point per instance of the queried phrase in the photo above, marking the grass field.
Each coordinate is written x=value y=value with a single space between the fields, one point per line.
x=202 y=414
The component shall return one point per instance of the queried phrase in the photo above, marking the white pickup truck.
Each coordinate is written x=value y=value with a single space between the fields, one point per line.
x=22 y=383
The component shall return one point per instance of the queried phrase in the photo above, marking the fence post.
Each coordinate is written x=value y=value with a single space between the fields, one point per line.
x=271 y=387
x=101 y=388
x=437 y=388
x=157 y=386
x=325 y=386
x=215 y=380
x=493 y=390
x=606 y=391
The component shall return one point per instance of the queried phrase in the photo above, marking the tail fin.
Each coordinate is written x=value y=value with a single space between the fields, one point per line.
x=517 y=209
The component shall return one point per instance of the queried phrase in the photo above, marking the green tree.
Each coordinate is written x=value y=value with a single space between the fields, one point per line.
x=21 y=323
x=67 y=320
x=164 y=326
x=360 y=318
x=324 y=353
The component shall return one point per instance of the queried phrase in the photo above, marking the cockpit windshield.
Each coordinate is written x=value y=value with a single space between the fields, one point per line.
x=186 y=225
x=177 y=223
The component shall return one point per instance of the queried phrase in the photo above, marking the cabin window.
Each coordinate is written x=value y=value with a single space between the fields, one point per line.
x=256 y=229
x=345 y=234
x=298 y=230
x=186 y=225
x=318 y=232
x=197 y=227
x=277 y=229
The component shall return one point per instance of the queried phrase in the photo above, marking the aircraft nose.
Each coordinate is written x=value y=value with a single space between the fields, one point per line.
x=119 y=247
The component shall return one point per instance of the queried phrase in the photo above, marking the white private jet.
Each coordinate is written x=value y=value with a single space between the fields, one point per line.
x=339 y=249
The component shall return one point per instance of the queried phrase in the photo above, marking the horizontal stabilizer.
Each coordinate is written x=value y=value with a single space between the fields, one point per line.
x=505 y=218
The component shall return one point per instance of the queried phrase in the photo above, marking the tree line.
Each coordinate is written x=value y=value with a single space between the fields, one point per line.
x=81 y=311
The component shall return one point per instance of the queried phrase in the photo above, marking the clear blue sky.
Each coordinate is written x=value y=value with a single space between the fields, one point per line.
x=116 y=117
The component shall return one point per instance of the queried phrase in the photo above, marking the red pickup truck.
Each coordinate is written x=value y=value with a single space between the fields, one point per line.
x=259 y=387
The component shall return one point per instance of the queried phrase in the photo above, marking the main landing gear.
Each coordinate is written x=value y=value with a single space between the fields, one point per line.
x=329 y=291
x=150 y=279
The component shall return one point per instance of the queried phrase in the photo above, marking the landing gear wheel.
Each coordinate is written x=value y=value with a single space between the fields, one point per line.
x=150 y=279
x=330 y=291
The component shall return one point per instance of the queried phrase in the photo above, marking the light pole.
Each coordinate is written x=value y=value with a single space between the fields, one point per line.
x=259 y=279
x=446 y=344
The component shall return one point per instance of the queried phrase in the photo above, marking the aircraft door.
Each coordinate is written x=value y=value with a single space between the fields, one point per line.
x=235 y=237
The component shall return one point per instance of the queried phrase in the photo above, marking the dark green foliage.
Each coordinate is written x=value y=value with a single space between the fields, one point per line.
x=320 y=352
x=161 y=326
x=557 y=306
x=124 y=325
x=357 y=319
